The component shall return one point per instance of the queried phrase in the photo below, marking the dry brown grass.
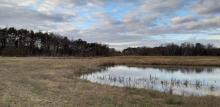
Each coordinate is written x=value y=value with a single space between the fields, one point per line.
x=53 y=82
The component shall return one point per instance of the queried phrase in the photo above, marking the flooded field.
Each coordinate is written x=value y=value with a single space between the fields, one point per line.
x=181 y=80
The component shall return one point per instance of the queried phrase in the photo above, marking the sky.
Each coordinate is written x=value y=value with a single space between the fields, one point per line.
x=118 y=23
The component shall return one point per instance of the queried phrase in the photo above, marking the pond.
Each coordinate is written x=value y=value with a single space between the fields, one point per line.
x=180 y=80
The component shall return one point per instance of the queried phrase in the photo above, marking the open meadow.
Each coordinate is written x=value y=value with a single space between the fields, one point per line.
x=55 y=82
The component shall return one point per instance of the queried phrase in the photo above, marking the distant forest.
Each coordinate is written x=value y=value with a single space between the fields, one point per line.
x=185 y=49
x=29 y=43
x=24 y=42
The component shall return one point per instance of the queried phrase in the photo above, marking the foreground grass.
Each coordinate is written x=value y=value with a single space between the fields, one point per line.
x=53 y=82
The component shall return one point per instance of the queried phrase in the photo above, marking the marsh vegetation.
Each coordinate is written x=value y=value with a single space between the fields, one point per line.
x=185 y=81
x=55 y=82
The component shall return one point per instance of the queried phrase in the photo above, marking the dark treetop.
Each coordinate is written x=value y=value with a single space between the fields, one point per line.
x=24 y=42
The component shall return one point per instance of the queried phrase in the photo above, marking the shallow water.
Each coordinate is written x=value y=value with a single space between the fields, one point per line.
x=196 y=81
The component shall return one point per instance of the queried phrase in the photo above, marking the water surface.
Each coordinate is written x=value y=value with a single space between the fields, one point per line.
x=197 y=81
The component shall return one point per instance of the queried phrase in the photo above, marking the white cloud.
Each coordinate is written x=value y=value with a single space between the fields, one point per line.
x=181 y=20
x=48 y=6
x=20 y=3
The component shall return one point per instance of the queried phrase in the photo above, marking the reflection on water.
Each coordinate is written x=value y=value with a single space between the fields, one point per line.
x=175 y=80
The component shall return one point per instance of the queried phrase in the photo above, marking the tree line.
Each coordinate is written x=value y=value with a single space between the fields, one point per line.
x=184 y=49
x=24 y=42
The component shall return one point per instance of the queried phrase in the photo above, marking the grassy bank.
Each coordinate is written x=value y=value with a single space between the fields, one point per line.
x=53 y=82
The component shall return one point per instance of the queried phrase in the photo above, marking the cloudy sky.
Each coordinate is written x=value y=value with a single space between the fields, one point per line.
x=118 y=23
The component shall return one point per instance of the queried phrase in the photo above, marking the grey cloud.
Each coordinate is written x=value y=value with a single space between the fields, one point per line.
x=150 y=11
x=162 y=6
x=22 y=16
x=98 y=2
x=187 y=27
x=207 y=7
x=203 y=24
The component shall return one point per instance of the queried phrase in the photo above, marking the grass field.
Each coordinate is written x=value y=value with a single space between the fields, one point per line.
x=54 y=82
